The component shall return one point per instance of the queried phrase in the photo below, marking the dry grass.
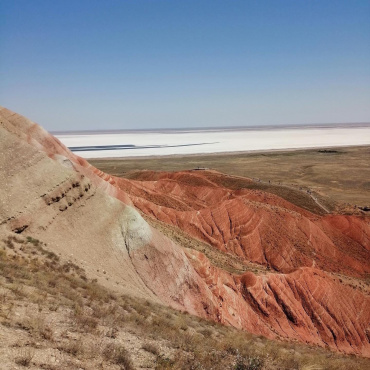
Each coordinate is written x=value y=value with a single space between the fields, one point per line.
x=52 y=307
x=118 y=355
x=151 y=348
x=36 y=325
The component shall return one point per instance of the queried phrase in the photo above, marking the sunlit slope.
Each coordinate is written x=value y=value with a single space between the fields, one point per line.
x=89 y=217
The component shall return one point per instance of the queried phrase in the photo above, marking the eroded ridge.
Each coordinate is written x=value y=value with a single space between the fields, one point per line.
x=87 y=217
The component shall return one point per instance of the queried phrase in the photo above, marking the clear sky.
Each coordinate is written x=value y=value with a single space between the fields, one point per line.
x=86 y=64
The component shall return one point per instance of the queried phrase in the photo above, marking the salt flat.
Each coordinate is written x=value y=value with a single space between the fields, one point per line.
x=147 y=143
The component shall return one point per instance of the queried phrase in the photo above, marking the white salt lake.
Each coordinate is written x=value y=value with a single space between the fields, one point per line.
x=182 y=142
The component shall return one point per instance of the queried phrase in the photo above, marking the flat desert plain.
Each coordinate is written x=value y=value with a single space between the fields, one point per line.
x=334 y=175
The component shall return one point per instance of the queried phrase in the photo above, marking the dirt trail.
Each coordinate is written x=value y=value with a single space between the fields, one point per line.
x=304 y=192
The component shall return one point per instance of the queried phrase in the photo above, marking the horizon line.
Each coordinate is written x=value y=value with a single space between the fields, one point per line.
x=216 y=128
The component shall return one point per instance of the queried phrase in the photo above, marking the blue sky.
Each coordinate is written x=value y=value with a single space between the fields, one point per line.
x=86 y=64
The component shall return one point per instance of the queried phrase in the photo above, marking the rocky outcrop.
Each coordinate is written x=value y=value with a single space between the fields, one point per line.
x=29 y=132
x=89 y=217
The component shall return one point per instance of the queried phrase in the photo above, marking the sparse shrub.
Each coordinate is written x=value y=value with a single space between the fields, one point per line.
x=151 y=348
x=249 y=363
x=3 y=297
x=112 y=333
x=18 y=290
x=72 y=347
x=46 y=333
x=86 y=322
x=24 y=356
x=104 y=311
x=52 y=256
x=118 y=355
x=53 y=282
x=9 y=243
x=17 y=239
x=36 y=325
x=189 y=342
x=181 y=323
x=54 y=306
x=163 y=363
x=33 y=241
x=203 y=358
x=206 y=332
x=290 y=363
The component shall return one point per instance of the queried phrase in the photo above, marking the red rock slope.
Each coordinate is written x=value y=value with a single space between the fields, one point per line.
x=49 y=193
x=253 y=225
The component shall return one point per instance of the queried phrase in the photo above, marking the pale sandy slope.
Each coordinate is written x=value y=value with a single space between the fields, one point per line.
x=62 y=202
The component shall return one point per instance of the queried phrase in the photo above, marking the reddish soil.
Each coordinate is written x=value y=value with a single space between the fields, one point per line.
x=306 y=305
x=254 y=225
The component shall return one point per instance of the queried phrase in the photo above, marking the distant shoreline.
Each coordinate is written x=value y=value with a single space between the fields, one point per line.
x=218 y=129
x=237 y=153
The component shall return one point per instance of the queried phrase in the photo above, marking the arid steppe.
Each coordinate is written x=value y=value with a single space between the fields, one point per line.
x=338 y=174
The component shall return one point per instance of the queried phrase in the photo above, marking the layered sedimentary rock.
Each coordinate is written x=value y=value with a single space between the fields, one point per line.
x=49 y=194
x=307 y=305
x=251 y=224
x=90 y=218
